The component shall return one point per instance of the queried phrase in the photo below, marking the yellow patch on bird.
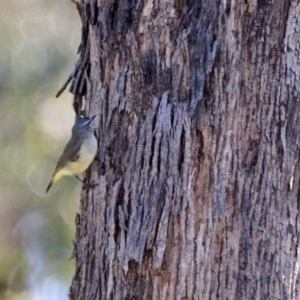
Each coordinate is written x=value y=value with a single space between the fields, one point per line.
x=85 y=157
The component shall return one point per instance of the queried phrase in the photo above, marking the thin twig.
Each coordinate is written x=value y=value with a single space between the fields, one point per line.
x=64 y=86
x=77 y=7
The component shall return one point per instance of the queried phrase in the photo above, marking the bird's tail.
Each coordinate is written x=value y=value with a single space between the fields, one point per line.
x=56 y=176
x=49 y=186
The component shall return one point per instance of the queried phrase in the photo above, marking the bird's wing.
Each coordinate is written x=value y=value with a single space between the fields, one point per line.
x=70 y=153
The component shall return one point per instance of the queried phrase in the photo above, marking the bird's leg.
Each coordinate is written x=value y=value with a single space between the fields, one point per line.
x=90 y=185
x=79 y=178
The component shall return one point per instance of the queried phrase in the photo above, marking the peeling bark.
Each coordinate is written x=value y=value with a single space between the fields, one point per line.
x=197 y=105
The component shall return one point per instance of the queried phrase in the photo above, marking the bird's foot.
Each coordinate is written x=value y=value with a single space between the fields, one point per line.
x=88 y=185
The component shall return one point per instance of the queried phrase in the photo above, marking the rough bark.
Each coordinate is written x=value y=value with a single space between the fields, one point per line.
x=197 y=106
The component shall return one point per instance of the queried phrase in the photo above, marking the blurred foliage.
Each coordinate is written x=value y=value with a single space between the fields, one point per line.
x=39 y=41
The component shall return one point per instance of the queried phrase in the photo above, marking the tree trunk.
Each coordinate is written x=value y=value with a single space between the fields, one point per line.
x=197 y=106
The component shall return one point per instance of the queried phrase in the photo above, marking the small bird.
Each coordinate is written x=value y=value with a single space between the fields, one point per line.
x=79 y=152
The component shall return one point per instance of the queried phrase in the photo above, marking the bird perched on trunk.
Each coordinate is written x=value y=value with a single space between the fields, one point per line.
x=79 y=152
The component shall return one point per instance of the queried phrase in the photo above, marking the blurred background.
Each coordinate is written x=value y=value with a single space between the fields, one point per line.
x=39 y=42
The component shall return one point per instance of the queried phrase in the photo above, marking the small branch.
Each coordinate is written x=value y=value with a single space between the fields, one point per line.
x=77 y=7
x=64 y=86
x=72 y=75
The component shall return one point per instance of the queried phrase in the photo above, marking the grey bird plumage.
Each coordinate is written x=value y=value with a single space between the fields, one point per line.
x=79 y=152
